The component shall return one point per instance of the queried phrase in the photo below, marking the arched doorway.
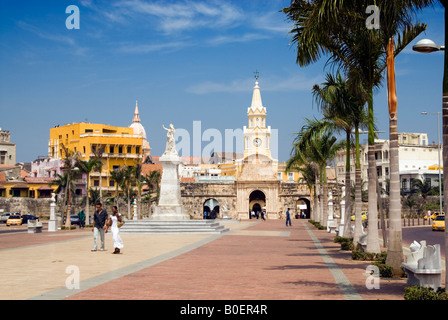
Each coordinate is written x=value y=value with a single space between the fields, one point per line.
x=257 y=204
x=303 y=207
x=211 y=209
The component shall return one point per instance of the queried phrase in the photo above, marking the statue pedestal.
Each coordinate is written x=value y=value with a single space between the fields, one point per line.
x=53 y=223
x=170 y=203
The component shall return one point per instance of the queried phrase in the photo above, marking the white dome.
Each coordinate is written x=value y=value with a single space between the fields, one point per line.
x=138 y=129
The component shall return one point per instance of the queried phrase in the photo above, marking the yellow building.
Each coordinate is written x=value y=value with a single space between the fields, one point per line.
x=120 y=147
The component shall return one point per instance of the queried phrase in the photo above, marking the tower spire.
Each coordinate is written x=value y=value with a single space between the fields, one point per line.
x=136 y=113
x=257 y=104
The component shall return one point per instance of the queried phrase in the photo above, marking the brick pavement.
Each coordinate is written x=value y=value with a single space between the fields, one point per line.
x=266 y=261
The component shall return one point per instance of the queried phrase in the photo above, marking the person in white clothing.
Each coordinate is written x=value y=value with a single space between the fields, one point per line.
x=115 y=217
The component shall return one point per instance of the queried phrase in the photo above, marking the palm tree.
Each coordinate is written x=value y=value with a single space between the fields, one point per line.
x=69 y=167
x=308 y=171
x=127 y=185
x=86 y=167
x=316 y=141
x=333 y=28
x=118 y=176
x=397 y=20
x=62 y=181
x=343 y=108
x=336 y=28
x=153 y=181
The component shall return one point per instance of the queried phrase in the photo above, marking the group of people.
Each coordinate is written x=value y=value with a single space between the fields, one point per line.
x=101 y=224
x=258 y=215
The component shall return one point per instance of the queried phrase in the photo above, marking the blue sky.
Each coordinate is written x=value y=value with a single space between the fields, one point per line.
x=183 y=61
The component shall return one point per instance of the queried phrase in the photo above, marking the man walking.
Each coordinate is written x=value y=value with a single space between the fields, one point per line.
x=288 y=218
x=99 y=226
x=82 y=219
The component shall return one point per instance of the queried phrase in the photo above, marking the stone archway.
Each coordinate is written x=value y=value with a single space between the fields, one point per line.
x=257 y=203
x=211 y=209
x=303 y=205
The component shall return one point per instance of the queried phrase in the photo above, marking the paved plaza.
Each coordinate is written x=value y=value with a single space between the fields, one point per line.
x=255 y=260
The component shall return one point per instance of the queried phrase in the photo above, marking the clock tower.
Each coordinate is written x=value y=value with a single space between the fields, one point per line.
x=257 y=180
x=257 y=135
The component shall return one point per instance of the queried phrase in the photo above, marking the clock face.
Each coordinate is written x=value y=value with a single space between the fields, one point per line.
x=257 y=142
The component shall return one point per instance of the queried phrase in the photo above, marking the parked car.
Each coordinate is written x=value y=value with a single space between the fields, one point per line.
x=363 y=216
x=74 y=219
x=14 y=219
x=434 y=215
x=4 y=217
x=439 y=223
x=27 y=217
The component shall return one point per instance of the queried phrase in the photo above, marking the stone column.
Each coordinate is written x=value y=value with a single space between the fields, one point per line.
x=342 y=222
x=53 y=223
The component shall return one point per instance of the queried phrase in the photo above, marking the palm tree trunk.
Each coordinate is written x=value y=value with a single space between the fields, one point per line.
x=395 y=239
x=372 y=235
x=324 y=197
x=358 y=191
x=395 y=245
x=316 y=214
x=348 y=184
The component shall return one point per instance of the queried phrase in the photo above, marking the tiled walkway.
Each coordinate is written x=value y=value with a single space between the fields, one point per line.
x=254 y=261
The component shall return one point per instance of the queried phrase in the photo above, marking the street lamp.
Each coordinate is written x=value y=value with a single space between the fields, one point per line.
x=427 y=46
x=438 y=147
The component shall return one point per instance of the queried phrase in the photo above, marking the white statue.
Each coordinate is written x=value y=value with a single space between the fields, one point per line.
x=170 y=141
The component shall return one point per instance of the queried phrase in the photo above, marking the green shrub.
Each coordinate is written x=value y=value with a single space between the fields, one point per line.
x=385 y=270
x=420 y=293
x=368 y=256
x=317 y=224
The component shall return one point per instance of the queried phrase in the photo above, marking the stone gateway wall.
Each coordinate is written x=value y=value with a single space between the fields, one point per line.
x=38 y=207
x=195 y=194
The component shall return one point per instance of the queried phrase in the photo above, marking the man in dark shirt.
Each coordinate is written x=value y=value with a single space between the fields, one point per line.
x=99 y=226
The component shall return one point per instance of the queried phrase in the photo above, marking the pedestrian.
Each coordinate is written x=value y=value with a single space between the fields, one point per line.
x=205 y=215
x=263 y=213
x=288 y=218
x=99 y=226
x=82 y=219
x=115 y=217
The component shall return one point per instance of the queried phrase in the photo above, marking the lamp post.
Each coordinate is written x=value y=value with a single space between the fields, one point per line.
x=428 y=46
x=438 y=148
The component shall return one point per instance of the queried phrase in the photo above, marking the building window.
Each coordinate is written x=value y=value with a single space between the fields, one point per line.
x=112 y=149
x=129 y=150
x=137 y=150
x=96 y=183
x=404 y=184
x=120 y=150
x=112 y=183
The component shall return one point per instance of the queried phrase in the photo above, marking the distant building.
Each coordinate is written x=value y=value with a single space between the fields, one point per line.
x=417 y=160
x=116 y=146
x=7 y=149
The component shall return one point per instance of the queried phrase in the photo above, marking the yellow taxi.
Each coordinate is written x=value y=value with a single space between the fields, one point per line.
x=439 y=223
x=434 y=215
x=17 y=220
x=363 y=216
